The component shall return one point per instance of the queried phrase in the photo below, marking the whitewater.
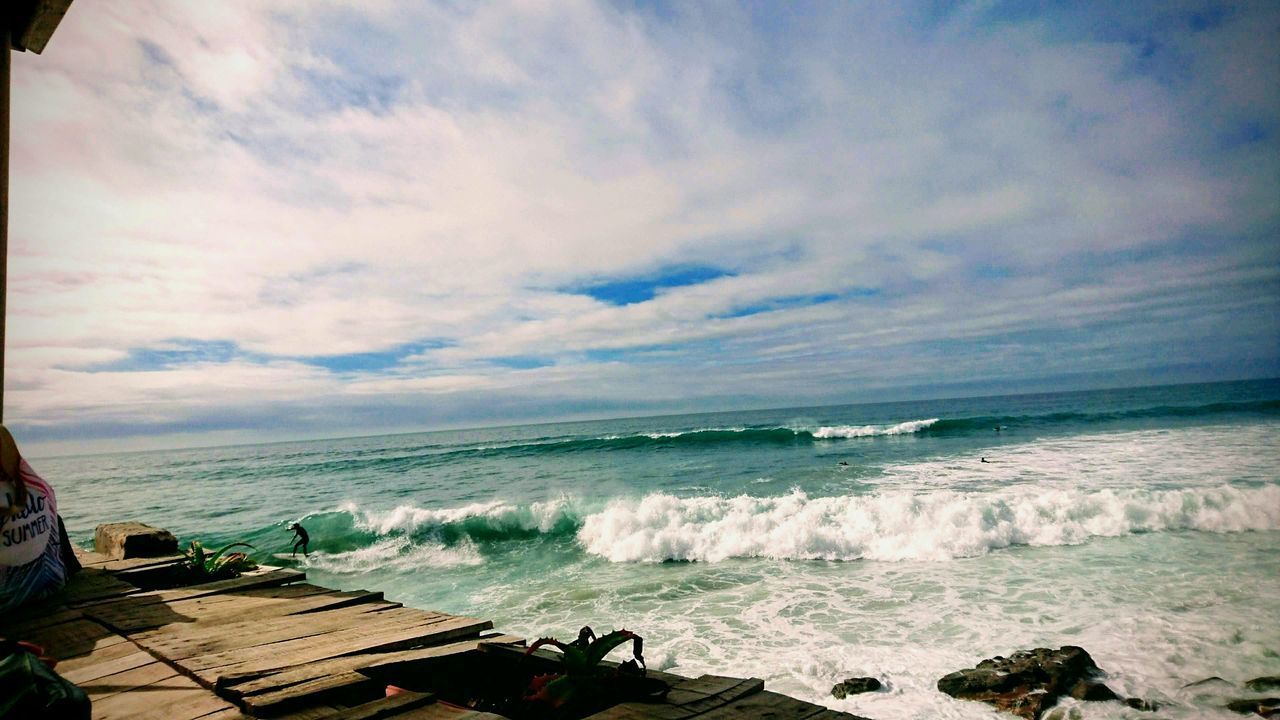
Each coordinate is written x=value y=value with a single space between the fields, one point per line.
x=802 y=546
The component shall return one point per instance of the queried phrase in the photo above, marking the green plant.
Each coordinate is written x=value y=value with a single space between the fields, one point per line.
x=203 y=566
x=583 y=682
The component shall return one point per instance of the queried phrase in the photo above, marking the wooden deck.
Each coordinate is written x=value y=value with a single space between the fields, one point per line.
x=268 y=644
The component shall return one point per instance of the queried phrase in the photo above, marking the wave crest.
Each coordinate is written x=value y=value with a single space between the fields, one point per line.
x=896 y=527
x=854 y=431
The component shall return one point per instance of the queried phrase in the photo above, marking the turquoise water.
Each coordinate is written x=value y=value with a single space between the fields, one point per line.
x=802 y=546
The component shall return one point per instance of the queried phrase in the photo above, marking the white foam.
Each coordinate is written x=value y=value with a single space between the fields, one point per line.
x=909 y=526
x=854 y=431
x=539 y=516
x=397 y=554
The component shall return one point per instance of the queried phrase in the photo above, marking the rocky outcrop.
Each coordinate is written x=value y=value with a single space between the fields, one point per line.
x=1223 y=693
x=1266 y=707
x=1263 y=684
x=120 y=541
x=853 y=686
x=1029 y=682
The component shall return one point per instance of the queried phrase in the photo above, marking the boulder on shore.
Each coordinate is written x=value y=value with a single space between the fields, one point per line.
x=1266 y=707
x=853 y=686
x=1029 y=682
x=121 y=541
x=1262 y=684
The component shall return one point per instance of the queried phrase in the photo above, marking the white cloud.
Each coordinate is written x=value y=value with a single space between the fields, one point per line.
x=315 y=179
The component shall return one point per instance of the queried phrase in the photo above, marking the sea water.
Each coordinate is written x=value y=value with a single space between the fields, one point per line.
x=802 y=546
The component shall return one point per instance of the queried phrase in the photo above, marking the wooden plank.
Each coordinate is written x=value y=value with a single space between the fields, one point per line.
x=383 y=707
x=697 y=700
x=237 y=686
x=764 y=705
x=349 y=641
x=265 y=627
x=131 y=615
x=128 y=680
x=108 y=666
x=33 y=617
x=262 y=616
x=688 y=690
x=291 y=688
x=336 y=644
x=742 y=689
x=442 y=711
x=227 y=714
x=319 y=712
x=91 y=585
x=247 y=581
x=67 y=640
x=270 y=704
x=118 y=650
x=204 y=639
x=173 y=698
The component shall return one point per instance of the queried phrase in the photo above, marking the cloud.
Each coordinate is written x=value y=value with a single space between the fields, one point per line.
x=550 y=208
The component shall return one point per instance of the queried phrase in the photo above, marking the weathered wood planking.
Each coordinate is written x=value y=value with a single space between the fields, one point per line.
x=69 y=639
x=266 y=577
x=764 y=705
x=144 y=618
x=128 y=680
x=202 y=639
x=687 y=699
x=279 y=647
x=237 y=686
x=349 y=641
x=172 y=698
x=94 y=585
x=441 y=711
x=382 y=708
x=291 y=688
x=34 y=617
x=131 y=614
x=107 y=666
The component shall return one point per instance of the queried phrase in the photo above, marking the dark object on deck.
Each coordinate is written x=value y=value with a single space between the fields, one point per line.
x=854 y=686
x=1029 y=682
x=29 y=688
x=121 y=541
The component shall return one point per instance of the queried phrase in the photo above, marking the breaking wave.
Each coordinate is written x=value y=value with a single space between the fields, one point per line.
x=895 y=527
x=660 y=527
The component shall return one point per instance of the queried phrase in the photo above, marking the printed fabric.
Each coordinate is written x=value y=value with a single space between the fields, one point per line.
x=31 y=565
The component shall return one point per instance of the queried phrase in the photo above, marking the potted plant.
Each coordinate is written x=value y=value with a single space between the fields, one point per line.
x=583 y=684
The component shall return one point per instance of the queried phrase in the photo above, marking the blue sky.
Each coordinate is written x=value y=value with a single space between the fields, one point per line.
x=237 y=221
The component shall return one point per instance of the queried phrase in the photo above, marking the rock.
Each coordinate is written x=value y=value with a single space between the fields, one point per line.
x=1266 y=707
x=1140 y=704
x=1096 y=691
x=853 y=686
x=1215 y=680
x=120 y=541
x=1262 y=684
x=1029 y=682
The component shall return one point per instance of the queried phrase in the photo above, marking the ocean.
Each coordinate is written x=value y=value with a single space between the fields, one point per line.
x=802 y=546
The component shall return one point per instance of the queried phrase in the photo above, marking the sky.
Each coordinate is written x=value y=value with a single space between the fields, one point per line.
x=265 y=220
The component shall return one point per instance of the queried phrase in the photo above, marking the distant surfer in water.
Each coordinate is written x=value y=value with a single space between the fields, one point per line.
x=985 y=460
x=300 y=534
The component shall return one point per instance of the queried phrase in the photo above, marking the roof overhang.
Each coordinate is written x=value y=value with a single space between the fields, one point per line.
x=32 y=22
